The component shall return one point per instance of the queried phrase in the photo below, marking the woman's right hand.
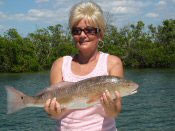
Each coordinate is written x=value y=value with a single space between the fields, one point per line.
x=53 y=108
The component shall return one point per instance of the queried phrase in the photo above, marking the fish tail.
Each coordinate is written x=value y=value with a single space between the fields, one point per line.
x=15 y=100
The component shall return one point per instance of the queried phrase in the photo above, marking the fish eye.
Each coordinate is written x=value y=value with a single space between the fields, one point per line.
x=22 y=97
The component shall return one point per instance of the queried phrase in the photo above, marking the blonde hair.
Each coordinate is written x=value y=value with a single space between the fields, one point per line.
x=90 y=11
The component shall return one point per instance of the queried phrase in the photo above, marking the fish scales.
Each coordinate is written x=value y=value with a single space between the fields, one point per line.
x=78 y=95
x=82 y=89
x=58 y=92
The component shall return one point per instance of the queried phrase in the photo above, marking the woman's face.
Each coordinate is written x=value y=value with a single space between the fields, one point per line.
x=86 y=36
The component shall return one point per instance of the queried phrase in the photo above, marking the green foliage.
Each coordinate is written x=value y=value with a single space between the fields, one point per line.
x=166 y=32
x=135 y=46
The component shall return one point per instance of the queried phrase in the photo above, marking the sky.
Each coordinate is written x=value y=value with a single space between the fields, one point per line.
x=29 y=15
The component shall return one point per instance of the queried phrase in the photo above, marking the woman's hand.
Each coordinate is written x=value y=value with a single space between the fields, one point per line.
x=112 y=107
x=53 y=108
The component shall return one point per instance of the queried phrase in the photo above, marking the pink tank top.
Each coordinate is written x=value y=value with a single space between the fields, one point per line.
x=92 y=118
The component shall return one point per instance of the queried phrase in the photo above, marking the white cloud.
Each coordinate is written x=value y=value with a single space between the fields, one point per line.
x=41 y=15
x=41 y=1
x=127 y=3
x=2 y=15
x=173 y=1
x=161 y=3
x=152 y=15
x=36 y=15
x=1 y=27
x=124 y=6
x=120 y=10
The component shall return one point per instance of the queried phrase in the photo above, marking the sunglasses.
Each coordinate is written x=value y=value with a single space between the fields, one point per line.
x=88 y=30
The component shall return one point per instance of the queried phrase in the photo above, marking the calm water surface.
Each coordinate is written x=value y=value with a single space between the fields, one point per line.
x=151 y=109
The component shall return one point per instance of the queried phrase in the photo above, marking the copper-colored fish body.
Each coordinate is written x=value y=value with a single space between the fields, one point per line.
x=76 y=95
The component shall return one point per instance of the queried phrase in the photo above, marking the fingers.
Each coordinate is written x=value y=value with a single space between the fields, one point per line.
x=117 y=94
x=57 y=107
x=46 y=107
x=52 y=107
x=118 y=97
x=111 y=107
x=118 y=101
x=106 y=98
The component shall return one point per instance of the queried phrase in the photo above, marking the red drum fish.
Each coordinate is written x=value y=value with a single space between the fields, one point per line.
x=72 y=95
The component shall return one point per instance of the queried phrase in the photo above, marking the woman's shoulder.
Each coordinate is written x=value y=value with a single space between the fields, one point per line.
x=58 y=61
x=55 y=72
x=112 y=59
x=115 y=66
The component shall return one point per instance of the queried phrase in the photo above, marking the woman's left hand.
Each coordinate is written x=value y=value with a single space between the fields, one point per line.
x=112 y=107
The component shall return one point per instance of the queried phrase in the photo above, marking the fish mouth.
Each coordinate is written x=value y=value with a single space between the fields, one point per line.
x=133 y=92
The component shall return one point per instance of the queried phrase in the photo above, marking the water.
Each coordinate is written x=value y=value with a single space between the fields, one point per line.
x=151 y=109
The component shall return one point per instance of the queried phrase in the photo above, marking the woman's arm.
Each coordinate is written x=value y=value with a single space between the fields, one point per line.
x=52 y=107
x=56 y=71
x=115 y=66
x=113 y=107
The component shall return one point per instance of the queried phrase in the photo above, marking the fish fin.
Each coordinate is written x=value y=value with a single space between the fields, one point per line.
x=62 y=83
x=14 y=100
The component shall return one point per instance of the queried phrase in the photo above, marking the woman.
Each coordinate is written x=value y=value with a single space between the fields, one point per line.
x=88 y=25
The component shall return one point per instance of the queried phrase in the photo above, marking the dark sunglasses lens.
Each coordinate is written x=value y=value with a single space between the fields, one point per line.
x=87 y=30
x=76 y=31
x=90 y=30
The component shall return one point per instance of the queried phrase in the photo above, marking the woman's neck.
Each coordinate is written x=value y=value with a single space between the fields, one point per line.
x=84 y=58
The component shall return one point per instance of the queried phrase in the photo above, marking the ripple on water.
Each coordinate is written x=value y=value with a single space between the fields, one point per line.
x=151 y=109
